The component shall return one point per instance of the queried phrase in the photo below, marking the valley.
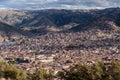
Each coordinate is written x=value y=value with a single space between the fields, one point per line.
x=58 y=39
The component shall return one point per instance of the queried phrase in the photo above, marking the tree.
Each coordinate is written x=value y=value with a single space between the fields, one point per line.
x=78 y=72
x=41 y=74
x=114 y=70
x=8 y=71
x=98 y=71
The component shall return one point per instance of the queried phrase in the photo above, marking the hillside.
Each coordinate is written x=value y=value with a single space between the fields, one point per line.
x=8 y=32
x=60 y=38
x=59 y=20
x=43 y=18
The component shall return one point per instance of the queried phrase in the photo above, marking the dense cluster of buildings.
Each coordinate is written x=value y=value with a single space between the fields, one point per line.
x=57 y=51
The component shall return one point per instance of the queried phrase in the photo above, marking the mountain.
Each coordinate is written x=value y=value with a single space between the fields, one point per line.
x=8 y=32
x=44 y=17
x=39 y=21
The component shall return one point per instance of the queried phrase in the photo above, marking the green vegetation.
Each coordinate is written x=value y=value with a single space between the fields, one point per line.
x=98 y=71
x=41 y=74
x=9 y=72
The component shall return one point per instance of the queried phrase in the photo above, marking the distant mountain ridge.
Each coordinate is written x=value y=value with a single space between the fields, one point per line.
x=43 y=17
x=8 y=32
x=38 y=21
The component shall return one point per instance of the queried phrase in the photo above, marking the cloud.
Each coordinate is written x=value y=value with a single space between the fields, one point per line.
x=65 y=4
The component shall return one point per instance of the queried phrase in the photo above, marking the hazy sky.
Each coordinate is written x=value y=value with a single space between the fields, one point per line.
x=59 y=4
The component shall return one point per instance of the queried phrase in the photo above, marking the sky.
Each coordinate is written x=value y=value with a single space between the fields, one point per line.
x=57 y=4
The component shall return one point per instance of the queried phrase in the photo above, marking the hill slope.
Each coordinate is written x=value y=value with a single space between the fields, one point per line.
x=8 y=32
x=63 y=20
